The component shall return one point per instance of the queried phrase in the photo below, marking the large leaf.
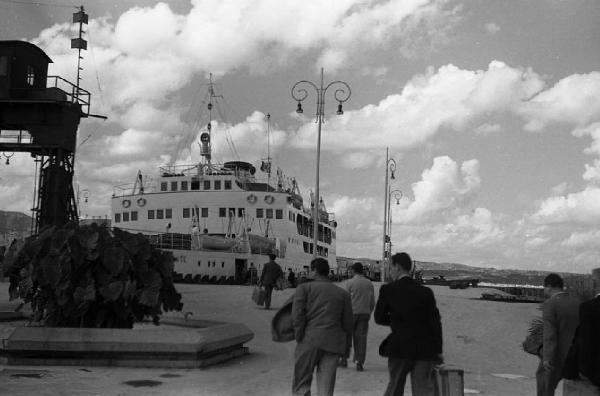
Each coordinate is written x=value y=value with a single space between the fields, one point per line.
x=149 y=293
x=51 y=272
x=112 y=291
x=85 y=293
x=112 y=260
x=129 y=290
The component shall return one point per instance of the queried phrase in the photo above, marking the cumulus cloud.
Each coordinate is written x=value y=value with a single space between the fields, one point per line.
x=575 y=100
x=442 y=189
x=581 y=207
x=486 y=129
x=492 y=27
x=449 y=97
x=588 y=238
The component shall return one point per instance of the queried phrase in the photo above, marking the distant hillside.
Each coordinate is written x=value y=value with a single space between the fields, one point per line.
x=493 y=275
x=14 y=221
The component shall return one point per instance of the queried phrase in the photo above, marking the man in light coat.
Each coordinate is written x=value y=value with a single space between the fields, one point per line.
x=362 y=294
x=560 y=313
x=322 y=320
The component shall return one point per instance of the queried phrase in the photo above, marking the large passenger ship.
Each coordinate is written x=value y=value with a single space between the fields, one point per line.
x=222 y=220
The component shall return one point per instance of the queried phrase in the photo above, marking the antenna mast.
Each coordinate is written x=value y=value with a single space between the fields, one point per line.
x=205 y=137
x=265 y=166
x=79 y=17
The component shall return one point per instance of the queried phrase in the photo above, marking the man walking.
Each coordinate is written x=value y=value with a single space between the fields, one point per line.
x=322 y=320
x=560 y=314
x=415 y=344
x=268 y=278
x=588 y=336
x=362 y=295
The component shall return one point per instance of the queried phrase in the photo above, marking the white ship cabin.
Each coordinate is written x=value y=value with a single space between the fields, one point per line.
x=220 y=220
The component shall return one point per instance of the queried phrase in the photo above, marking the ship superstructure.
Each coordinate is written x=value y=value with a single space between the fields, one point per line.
x=220 y=220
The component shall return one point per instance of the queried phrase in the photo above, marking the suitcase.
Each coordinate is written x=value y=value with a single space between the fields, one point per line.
x=449 y=381
x=258 y=295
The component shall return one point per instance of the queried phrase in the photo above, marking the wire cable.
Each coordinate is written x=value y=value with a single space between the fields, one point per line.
x=37 y=3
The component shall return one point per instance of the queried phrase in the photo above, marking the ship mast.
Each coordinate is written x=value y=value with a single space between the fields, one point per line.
x=265 y=166
x=205 y=137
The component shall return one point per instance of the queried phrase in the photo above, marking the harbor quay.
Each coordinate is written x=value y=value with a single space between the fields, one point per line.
x=483 y=338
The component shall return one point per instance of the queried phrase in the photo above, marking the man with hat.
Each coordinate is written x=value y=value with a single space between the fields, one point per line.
x=362 y=294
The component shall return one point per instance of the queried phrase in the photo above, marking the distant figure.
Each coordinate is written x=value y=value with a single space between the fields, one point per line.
x=322 y=320
x=195 y=237
x=588 y=336
x=362 y=294
x=252 y=274
x=415 y=344
x=270 y=273
x=291 y=278
x=560 y=316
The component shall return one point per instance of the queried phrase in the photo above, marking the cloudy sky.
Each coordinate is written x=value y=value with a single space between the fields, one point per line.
x=491 y=110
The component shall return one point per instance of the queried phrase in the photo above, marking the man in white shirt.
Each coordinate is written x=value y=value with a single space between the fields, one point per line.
x=362 y=294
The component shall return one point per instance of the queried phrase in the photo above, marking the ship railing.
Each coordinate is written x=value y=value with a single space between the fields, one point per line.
x=171 y=241
x=127 y=189
x=74 y=93
x=178 y=170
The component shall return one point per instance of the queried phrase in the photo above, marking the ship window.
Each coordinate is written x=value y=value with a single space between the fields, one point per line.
x=125 y=216
x=151 y=214
x=3 y=66
x=163 y=186
x=195 y=185
x=117 y=217
x=134 y=216
x=278 y=214
x=184 y=186
x=241 y=212
x=159 y=213
x=199 y=263
x=222 y=264
x=168 y=213
x=231 y=212
x=174 y=186
x=30 y=75
x=227 y=184
x=269 y=214
x=217 y=184
x=259 y=213
x=207 y=184
x=186 y=213
x=222 y=212
x=205 y=212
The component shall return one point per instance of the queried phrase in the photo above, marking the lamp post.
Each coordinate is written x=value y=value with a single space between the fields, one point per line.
x=342 y=94
x=397 y=195
x=390 y=167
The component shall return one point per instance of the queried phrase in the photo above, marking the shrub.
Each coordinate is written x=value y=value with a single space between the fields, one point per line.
x=88 y=276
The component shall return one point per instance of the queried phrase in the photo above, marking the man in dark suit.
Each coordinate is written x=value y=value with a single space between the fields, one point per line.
x=270 y=273
x=415 y=345
x=588 y=336
x=322 y=319
x=560 y=313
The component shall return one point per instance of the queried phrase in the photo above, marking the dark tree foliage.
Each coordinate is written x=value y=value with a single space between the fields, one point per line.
x=88 y=276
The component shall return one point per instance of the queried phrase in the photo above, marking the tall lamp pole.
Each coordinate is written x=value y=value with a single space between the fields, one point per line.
x=390 y=167
x=397 y=195
x=299 y=93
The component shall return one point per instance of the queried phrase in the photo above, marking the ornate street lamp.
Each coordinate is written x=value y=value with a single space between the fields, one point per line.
x=390 y=168
x=341 y=94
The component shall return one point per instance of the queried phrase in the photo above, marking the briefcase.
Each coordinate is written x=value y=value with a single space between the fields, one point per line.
x=449 y=381
x=258 y=295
